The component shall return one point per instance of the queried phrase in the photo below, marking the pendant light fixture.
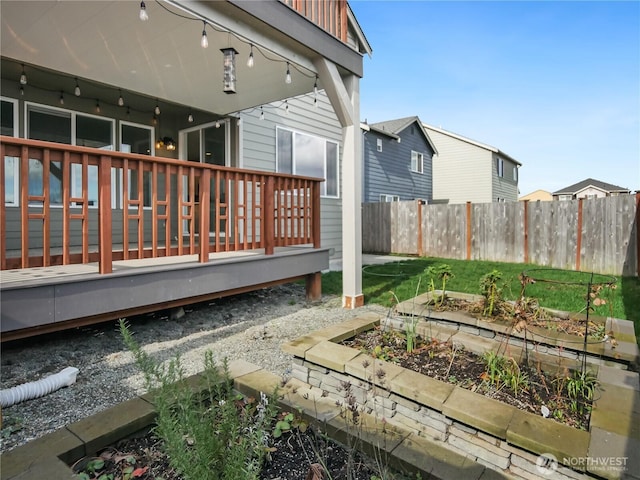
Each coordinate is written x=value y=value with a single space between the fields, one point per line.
x=23 y=76
x=120 y=100
x=143 y=12
x=204 y=41
x=250 y=59
x=287 y=77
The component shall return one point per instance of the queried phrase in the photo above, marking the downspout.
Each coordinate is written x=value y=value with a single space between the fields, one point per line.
x=39 y=388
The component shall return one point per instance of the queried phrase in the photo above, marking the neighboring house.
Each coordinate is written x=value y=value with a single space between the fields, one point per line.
x=537 y=196
x=397 y=161
x=185 y=135
x=590 y=188
x=465 y=170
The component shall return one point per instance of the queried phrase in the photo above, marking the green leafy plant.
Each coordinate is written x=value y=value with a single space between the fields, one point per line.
x=443 y=274
x=491 y=292
x=288 y=422
x=581 y=387
x=504 y=372
x=209 y=432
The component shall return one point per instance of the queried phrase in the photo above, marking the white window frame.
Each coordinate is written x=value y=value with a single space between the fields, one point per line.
x=389 y=198
x=417 y=162
x=16 y=160
x=146 y=186
x=565 y=197
x=515 y=173
x=500 y=167
x=379 y=144
x=323 y=185
x=73 y=116
x=182 y=140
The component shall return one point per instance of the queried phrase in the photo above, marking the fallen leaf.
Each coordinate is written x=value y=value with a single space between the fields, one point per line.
x=138 y=472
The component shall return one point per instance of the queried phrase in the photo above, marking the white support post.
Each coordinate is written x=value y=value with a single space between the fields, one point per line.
x=344 y=94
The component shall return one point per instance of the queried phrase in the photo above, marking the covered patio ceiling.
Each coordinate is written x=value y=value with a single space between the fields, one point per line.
x=161 y=58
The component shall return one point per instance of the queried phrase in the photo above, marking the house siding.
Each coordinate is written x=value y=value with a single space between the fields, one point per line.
x=389 y=172
x=505 y=188
x=462 y=172
x=259 y=149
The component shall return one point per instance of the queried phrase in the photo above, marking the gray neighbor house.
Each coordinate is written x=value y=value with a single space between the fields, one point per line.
x=397 y=161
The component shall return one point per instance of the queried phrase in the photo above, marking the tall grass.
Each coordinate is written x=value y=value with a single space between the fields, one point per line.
x=567 y=289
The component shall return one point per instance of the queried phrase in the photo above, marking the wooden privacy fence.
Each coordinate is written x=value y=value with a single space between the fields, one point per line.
x=596 y=235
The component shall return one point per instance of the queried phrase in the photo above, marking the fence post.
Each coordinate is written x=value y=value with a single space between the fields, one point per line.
x=269 y=216
x=579 y=234
x=205 y=210
x=638 y=234
x=526 y=230
x=419 y=220
x=104 y=215
x=468 y=230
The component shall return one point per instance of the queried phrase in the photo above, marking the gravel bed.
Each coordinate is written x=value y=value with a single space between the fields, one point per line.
x=250 y=326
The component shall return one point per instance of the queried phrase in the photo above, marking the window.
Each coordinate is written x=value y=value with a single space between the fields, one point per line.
x=515 y=174
x=136 y=138
x=416 y=161
x=301 y=154
x=500 y=167
x=9 y=127
x=379 y=144
x=9 y=114
x=565 y=197
x=389 y=198
x=64 y=126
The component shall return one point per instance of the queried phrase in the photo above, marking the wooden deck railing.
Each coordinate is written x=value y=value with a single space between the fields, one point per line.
x=331 y=15
x=97 y=205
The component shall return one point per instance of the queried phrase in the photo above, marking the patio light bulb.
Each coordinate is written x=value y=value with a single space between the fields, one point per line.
x=23 y=77
x=77 y=91
x=61 y=98
x=287 y=78
x=217 y=123
x=21 y=90
x=190 y=118
x=143 y=12
x=204 y=41
x=98 y=106
x=120 y=100
x=250 y=59
x=157 y=109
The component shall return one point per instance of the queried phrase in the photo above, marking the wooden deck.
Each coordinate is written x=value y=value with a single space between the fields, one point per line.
x=45 y=299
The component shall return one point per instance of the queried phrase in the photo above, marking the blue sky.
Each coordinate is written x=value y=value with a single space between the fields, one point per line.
x=555 y=85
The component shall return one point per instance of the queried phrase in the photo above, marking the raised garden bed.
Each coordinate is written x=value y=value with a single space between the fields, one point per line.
x=455 y=425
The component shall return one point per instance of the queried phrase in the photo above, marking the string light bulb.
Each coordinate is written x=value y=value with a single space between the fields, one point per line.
x=120 y=100
x=21 y=90
x=61 y=98
x=217 y=123
x=287 y=78
x=157 y=109
x=143 y=12
x=204 y=41
x=23 y=77
x=77 y=91
x=97 y=106
x=190 y=118
x=250 y=59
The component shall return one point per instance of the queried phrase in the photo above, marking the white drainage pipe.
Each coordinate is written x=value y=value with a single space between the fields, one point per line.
x=39 y=388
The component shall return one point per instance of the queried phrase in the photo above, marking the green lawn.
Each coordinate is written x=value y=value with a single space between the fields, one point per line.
x=559 y=289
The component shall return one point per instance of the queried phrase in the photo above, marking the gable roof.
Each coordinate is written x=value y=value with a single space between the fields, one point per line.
x=392 y=128
x=472 y=142
x=590 y=182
